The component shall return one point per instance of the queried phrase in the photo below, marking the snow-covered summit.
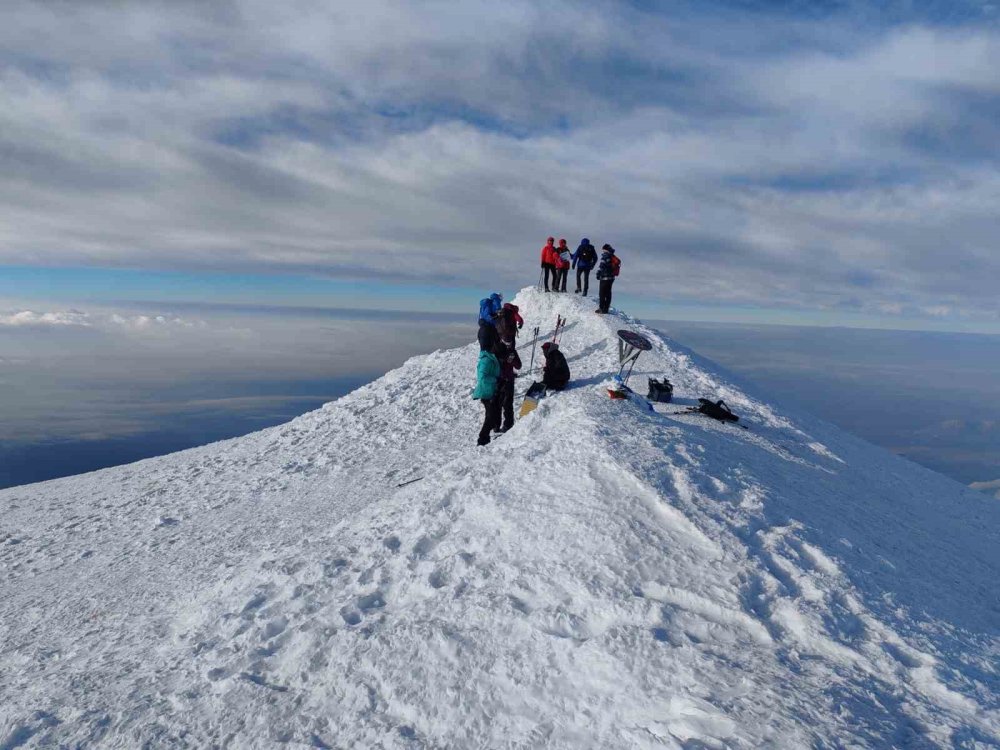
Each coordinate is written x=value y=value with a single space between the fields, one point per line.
x=601 y=576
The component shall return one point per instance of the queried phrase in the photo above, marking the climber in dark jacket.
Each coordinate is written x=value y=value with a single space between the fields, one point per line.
x=509 y=360
x=487 y=335
x=607 y=272
x=584 y=259
x=556 y=372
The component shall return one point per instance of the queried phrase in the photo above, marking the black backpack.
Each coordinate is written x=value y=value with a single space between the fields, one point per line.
x=661 y=391
x=716 y=410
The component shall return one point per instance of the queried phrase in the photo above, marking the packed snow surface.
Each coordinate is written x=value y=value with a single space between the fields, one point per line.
x=602 y=576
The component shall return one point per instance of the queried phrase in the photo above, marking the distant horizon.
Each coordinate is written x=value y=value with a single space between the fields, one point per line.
x=190 y=405
x=269 y=293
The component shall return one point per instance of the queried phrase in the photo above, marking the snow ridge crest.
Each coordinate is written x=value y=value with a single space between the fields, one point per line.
x=603 y=575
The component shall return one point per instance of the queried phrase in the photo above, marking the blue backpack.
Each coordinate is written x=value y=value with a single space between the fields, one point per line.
x=490 y=306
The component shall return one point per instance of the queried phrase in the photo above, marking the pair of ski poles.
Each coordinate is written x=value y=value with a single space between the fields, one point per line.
x=560 y=325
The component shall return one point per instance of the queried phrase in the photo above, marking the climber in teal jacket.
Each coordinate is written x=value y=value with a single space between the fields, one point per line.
x=487 y=374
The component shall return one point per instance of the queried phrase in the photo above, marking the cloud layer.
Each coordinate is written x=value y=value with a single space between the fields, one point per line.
x=838 y=160
x=103 y=373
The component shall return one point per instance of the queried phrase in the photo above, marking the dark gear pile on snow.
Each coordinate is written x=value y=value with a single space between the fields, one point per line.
x=660 y=391
x=716 y=410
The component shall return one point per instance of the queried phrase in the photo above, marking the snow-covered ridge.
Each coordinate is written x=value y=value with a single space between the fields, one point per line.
x=601 y=576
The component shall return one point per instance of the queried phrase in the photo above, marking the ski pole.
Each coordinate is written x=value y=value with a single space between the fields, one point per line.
x=538 y=286
x=555 y=332
x=531 y=365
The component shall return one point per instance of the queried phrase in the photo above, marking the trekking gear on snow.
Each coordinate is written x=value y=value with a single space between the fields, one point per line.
x=531 y=365
x=619 y=392
x=532 y=396
x=716 y=410
x=660 y=391
x=630 y=346
x=557 y=331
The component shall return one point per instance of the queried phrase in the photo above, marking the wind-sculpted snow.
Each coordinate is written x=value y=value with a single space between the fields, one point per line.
x=602 y=576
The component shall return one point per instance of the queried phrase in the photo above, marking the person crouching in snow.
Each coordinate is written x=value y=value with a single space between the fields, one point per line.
x=509 y=362
x=555 y=375
x=563 y=261
x=487 y=373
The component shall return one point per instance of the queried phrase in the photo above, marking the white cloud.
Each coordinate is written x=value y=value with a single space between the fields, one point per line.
x=988 y=487
x=732 y=159
x=90 y=320
x=30 y=318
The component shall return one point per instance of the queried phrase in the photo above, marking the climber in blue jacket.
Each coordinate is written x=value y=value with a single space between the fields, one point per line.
x=584 y=259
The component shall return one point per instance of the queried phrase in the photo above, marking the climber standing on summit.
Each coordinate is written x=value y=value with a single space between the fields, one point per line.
x=562 y=266
x=549 y=256
x=487 y=379
x=584 y=259
x=607 y=272
x=503 y=407
x=489 y=309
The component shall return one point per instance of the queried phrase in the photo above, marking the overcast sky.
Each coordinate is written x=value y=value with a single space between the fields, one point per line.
x=804 y=157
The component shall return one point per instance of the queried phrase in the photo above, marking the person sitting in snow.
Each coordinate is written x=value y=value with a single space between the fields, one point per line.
x=563 y=261
x=506 y=354
x=555 y=374
x=487 y=373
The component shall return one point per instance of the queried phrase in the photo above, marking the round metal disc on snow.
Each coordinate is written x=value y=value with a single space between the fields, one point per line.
x=635 y=340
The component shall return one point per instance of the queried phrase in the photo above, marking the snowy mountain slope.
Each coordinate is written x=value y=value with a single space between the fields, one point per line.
x=601 y=576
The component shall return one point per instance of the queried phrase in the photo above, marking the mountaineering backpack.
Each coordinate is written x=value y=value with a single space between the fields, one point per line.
x=716 y=410
x=661 y=391
x=489 y=307
x=609 y=267
x=508 y=321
